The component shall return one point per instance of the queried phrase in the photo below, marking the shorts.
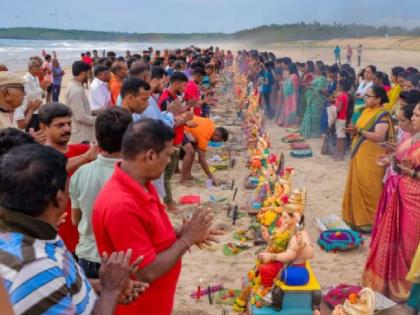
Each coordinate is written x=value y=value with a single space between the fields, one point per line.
x=340 y=125
x=185 y=141
x=49 y=88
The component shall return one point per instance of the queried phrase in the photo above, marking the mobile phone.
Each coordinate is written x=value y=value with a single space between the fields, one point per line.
x=395 y=165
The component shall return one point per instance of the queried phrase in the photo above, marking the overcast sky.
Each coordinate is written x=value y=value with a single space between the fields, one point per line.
x=185 y=16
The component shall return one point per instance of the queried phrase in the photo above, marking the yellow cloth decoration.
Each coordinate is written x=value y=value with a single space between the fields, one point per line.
x=312 y=285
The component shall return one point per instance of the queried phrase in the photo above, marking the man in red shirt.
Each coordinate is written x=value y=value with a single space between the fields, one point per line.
x=87 y=59
x=192 y=93
x=55 y=121
x=176 y=88
x=130 y=201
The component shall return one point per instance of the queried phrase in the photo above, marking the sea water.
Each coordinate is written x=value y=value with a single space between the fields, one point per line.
x=14 y=53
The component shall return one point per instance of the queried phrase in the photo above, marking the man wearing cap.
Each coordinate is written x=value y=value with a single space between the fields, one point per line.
x=12 y=93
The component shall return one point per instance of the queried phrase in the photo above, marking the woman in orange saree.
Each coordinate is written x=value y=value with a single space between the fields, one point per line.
x=364 y=181
x=395 y=242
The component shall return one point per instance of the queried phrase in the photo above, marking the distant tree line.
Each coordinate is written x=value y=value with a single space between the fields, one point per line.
x=263 y=34
x=60 y=34
x=318 y=31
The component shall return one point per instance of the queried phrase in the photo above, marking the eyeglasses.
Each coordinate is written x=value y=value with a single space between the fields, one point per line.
x=367 y=96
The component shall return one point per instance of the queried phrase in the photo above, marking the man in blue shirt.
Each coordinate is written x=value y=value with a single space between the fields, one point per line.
x=152 y=111
x=39 y=273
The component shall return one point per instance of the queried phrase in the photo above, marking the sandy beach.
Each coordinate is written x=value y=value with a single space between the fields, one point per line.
x=323 y=178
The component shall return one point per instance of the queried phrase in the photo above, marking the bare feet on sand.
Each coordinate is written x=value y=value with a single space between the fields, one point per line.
x=187 y=183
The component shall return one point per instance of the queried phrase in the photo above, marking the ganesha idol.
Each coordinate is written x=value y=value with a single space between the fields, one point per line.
x=289 y=244
x=272 y=203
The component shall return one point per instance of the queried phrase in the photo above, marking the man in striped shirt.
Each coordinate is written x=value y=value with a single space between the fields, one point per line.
x=39 y=273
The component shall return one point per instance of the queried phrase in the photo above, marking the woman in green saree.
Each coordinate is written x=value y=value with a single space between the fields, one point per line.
x=307 y=78
x=315 y=99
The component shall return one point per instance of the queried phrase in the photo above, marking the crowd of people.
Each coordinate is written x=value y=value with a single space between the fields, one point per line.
x=376 y=118
x=103 y=157
x=73 y=173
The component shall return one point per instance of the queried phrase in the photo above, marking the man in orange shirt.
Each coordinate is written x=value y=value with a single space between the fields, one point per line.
x=119 y=73
x=201 y=131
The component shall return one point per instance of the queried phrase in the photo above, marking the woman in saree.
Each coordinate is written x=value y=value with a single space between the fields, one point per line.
x=364 y=181
x=274 y=89
x=315 y=99
x=278 y=71
x=288 y=117
x=396 y=89
x=305 y=83
x=391 y=178
x=367 y=82
x=395 y=243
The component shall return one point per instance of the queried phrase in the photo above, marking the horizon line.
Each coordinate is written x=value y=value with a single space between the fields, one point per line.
x=215 y=33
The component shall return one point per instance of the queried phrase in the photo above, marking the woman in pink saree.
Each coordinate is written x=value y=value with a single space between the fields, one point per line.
x=288 y=117
x=392 y=177
x=396 y=233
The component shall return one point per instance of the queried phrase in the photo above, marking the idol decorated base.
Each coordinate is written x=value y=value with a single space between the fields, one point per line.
x=297 y=300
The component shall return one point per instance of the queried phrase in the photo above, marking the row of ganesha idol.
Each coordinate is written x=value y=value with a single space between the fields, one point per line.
x=281 y=281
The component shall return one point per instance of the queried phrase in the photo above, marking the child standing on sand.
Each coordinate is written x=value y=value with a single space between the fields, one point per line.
x=342 y=104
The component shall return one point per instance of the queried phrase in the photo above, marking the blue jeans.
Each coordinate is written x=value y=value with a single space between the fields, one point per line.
x=56 y=92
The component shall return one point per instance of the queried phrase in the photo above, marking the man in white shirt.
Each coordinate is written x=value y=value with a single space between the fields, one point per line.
x=11 y=97
x=99 y=92
x=26 y=115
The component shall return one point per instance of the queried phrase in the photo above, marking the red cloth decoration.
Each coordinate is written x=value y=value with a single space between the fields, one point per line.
x=189 y=199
